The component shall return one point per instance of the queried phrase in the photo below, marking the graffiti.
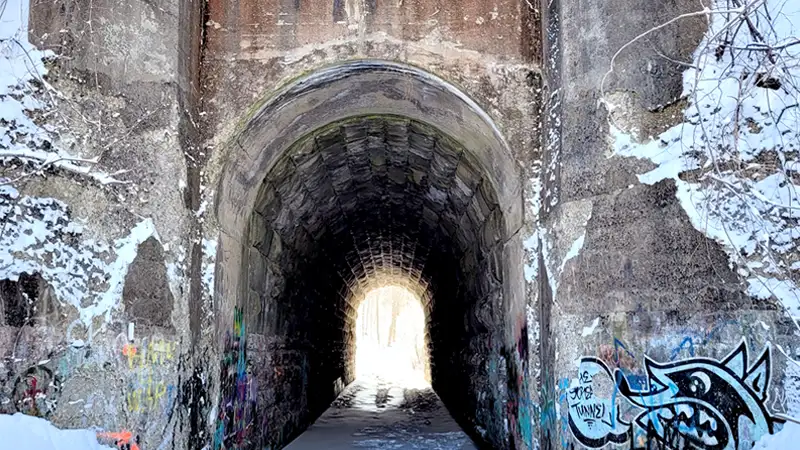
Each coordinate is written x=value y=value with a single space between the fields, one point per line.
x=148 y=388
x=694 y=339
x=593 y=416
x=33 y=391
x=698 y=403
x=193 y=395
x=617 y=356
x=236 y=414
x=547 y=408
x=151 y=352
x=563 y=389
x=71 y=360
x=124 y=440
x=145 y=394
x=519 y=406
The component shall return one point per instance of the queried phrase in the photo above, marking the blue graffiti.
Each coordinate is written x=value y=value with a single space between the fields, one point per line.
x=691 y=340
x=563 y=386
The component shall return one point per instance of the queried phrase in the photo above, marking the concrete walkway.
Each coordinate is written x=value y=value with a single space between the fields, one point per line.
x=374 y=414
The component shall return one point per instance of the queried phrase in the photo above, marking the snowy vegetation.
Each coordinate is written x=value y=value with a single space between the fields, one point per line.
x=37 y=233
x=735 y=155
x=29 y=145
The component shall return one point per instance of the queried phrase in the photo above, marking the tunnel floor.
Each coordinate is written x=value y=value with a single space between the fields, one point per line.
x=373 y=413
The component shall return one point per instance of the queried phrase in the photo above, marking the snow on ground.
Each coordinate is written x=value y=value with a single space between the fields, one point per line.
x=21 y=432
x=741 y=134
x=786 y=439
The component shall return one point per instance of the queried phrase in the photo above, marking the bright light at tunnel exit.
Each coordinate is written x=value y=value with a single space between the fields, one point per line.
x=390 y=337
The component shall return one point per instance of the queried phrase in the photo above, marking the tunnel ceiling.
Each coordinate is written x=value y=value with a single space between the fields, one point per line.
x=377 y=195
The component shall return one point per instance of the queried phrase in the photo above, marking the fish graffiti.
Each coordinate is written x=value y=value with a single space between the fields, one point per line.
x=697 y=403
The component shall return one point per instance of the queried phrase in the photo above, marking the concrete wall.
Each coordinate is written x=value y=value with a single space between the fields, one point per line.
x=634 y=289
x=141 y=96
x=185 y=95
x=105 y=339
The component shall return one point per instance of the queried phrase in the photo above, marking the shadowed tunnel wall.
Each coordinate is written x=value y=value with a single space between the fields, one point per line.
x=361 y=174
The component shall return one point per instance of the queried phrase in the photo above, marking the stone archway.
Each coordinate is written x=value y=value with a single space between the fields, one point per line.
x=357 y=171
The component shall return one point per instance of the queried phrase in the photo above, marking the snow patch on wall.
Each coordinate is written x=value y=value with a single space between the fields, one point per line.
x=588 y=331
x=531 y=243
x=791 y=387
x=38 y=236
x=125 y=249
x=573 y=251
x=549 y=258
x=740 y=136
x=176 y=269
x=20 y=63
x=209 y=265
x=531 y=246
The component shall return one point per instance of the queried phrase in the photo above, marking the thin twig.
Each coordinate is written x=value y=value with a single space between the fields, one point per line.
x=704 y=12
x=65 y=163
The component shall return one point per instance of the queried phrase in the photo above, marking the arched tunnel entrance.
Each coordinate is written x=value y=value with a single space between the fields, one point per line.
x=365 y=173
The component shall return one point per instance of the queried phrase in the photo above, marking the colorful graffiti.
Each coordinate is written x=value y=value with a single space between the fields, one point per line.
x=519 y=407
x=72 y=359
x=698 y=403
x=236 y=412
x=563 y=389
x=148 y=388
x=151 y=352
x=146 y=393
x=124 y=440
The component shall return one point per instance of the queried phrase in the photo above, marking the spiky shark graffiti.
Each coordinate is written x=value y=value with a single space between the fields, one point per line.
x=696 y=403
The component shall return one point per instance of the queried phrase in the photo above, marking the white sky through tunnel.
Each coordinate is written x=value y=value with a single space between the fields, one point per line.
x=390 y=336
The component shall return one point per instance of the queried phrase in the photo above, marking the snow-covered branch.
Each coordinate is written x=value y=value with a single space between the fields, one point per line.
x=41 y=161
x=25 y=94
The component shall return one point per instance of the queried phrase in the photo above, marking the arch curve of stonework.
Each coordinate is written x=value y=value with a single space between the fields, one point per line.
x=364 y=173
x=360 y=88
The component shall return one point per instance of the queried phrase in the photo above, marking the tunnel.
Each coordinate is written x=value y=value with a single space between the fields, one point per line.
x=357 y=176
